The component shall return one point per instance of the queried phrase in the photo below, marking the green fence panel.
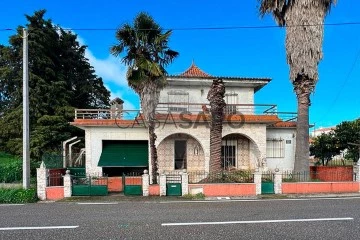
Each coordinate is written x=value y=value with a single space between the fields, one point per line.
x=173 y=189
x=267 y=188
x=133 y=190
x=81 y=190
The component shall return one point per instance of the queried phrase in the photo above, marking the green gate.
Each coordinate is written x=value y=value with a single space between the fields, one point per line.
x=132 y=183
x=267 y=183
x=89 y=185
x=173 y=185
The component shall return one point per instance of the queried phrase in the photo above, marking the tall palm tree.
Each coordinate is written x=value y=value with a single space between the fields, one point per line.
x=146 y=54
x=217 y=104
x=304 y=21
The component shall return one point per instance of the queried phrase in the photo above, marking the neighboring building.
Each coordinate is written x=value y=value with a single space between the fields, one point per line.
x=254 y=135
x=317 y=132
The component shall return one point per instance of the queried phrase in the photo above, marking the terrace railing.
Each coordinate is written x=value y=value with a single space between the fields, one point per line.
x=189 y=108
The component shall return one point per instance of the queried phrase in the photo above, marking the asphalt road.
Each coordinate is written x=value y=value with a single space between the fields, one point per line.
x=249 y=219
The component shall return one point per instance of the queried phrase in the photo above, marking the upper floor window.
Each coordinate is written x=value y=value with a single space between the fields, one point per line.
x=178 y=101
x=275 y=148
x=230 y=99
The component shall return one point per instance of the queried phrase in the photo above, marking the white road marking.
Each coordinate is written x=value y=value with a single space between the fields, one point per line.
x=97 y=203
x=10 y=205
x=37 y=228
x=221 y=198
x=259 y=221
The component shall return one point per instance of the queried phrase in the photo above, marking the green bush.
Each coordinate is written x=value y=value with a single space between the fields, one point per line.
x=17 y=195
x=197 y=196
x=11 y=168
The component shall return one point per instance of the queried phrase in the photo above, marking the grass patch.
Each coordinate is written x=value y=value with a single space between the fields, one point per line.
x=198 y=196
x=17 y=195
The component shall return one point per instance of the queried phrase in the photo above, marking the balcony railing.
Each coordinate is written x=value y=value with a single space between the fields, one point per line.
x=188 y=108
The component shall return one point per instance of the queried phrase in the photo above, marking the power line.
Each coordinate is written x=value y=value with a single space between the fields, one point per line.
x=212 y=28
x=343 y=84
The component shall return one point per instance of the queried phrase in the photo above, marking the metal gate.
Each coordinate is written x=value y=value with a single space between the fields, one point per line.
x=132 y=183
x=267 y=183
x=89 y=185
x=173 y=185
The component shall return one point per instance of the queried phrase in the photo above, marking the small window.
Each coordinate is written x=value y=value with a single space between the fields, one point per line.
x=178 y=101
x=275 y=148
x=288 y=141
x=231 y=100
x=180 y=154
x=228 y=154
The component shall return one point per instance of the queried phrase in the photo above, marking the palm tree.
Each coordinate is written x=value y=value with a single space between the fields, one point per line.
x=146 y=54
x=304 y=22
x=217 y=104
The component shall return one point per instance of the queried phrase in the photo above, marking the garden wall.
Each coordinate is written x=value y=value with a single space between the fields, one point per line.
x=332 y=173
x=224 y=189
x=320 y=187
x=54 y=193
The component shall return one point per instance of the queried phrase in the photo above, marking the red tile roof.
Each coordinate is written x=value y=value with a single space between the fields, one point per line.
x=284 y=125
x=194 y=71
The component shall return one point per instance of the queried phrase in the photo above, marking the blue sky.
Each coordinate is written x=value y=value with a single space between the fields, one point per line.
x=241 y=52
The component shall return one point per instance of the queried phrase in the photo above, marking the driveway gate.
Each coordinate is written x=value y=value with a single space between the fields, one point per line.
x=267 y=183
x=173 y=185
x=89 y=186
x=132 y=183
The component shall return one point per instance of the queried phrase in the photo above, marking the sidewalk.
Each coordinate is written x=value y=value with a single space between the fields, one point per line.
x=120 y=197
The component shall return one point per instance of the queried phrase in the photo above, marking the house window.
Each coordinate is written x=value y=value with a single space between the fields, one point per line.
x=228 y=154
x=180 y=154
x=275 y=148
x=230 y=99
x=178 y=101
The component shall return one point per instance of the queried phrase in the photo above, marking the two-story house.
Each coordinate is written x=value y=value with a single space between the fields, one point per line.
x=254 y=135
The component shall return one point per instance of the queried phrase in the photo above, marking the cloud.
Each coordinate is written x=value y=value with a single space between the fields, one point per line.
x=110 y=69
x=113 y=73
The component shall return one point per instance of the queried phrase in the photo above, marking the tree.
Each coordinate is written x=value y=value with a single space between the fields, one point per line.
x=325 y=147
x=304 y=21
x=217 y=104
x=147 y=55
x=61 y=79
x=349 y=132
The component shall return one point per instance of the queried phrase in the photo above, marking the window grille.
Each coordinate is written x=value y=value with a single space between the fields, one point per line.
x=275 y=148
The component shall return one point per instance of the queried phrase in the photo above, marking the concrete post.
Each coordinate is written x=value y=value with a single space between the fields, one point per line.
x=162 y=184
x=41 y=181
x=356 y=170
x=145 y=183
x=277 y=182
x=257 y=181
x=184 y=183
x=67 y=184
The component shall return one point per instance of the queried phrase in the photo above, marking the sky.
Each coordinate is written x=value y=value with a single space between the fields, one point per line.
x=232 y=53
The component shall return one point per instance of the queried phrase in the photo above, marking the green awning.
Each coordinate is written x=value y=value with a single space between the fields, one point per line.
x=124 y=154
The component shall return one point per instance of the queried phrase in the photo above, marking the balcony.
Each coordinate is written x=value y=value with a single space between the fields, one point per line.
x=251 y=113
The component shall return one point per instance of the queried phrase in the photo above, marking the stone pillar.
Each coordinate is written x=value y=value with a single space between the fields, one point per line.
x=257 y=181
x=67 y=184
x=41 y=181
x=356 y=170
x=277 y=181
x=184 y=183
x=162 y=184
x=145 y=183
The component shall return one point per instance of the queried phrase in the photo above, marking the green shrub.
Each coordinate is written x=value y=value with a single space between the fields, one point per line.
x=17 y=195
x=11 y=168
x=197 y=196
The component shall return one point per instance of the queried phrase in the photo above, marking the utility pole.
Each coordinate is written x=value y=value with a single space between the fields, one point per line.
x=26 y=135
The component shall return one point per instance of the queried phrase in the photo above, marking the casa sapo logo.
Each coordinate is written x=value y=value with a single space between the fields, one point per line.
x=183 y=120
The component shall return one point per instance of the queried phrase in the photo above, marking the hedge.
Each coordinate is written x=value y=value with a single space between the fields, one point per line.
x=17 y=195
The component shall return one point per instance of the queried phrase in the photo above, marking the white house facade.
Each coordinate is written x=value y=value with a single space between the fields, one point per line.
x=255 y=136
